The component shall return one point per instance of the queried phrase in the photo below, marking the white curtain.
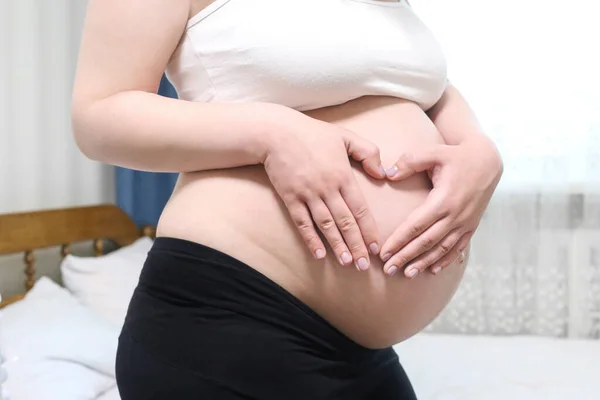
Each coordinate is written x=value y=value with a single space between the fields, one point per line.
x=531 y=71
x=40 y=165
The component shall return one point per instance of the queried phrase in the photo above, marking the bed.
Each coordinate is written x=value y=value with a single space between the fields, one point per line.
x=59 y=339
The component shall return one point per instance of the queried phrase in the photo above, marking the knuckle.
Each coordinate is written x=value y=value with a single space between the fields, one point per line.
x=343 y=179
x=399 y=260
x=372 y=149
x=405 y=159
x=304 y=225
x=453 y=204
x=301 y=221
x=446 y=261
x=301 y=179
x=426 y=244
x=338 y=245
x=302 y=193
x=361 y=212
x=289 y=197
x=326 y=224
x=443 y=211
x=416 y=229
x=310 y=189
x=311 y=239
x=322 y=190
x=445 y=248
x=298 y=182
x=449 y=262
x=336 y=177
x=450 y=206
x=421 y=266
x=356 y=248
x=347 y=224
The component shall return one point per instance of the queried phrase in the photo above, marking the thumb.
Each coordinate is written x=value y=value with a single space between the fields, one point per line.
x=366 y=153
x=413 y=162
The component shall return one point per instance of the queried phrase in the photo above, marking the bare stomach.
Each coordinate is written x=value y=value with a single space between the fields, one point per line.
x=237 y=212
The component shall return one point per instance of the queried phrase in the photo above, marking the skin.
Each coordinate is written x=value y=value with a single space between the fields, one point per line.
x=264 y=183
x=465 y=173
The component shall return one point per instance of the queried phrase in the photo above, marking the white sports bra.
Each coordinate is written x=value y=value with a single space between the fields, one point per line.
x=307 y=54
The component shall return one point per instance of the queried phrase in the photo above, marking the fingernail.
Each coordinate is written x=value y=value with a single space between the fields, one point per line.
x=320 y=253
x=386 y=257
x=363 y=264
x=393 y=269
x=436 y=270
x=382 y=170
x=392 y=171
x=412 y=272
x=346 y=257
x=374 y=248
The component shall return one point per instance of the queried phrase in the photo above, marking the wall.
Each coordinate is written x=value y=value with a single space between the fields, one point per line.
x=40 y=165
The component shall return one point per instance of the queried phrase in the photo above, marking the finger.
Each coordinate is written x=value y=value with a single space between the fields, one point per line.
x=347 y=225
x=357 y=204
x=418 y=161
x=420 y=245
x=327 y=225
x=453 y=256
x=456 y=254
x=303 y=221
x=434 y=255
x=366 y=153
x=416 y=223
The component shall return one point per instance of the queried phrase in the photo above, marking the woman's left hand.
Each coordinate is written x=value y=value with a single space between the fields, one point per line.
x=464 y=179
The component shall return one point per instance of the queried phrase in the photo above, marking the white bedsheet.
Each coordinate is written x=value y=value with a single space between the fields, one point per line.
x=53 y=379
x=453 y=367
x=55 y=348
x=441 y=367
x=111 y=394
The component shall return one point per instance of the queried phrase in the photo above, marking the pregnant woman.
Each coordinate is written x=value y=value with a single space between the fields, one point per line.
x=330 y=181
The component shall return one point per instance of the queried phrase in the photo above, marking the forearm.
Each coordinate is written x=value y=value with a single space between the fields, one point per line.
x=145 y=131
x=454 y=118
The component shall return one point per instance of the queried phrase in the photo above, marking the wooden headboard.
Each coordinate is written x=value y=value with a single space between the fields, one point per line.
x=29 y=231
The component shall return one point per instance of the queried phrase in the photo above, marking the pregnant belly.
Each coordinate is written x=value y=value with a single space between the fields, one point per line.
x=236 y=211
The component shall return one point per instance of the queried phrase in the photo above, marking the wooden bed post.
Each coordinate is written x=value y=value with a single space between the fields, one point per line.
x=25 y=232
x=29 y=269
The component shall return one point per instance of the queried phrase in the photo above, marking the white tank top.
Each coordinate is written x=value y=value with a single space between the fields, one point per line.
x=307 y=54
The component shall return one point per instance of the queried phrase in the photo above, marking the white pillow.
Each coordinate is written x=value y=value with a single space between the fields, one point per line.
x=49 y=379
x=106 y=283
x=49 y=323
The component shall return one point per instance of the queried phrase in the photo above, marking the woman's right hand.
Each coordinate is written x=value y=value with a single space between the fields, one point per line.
x=309 y=167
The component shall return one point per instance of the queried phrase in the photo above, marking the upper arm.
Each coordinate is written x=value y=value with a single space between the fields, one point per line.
x=126 y=45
